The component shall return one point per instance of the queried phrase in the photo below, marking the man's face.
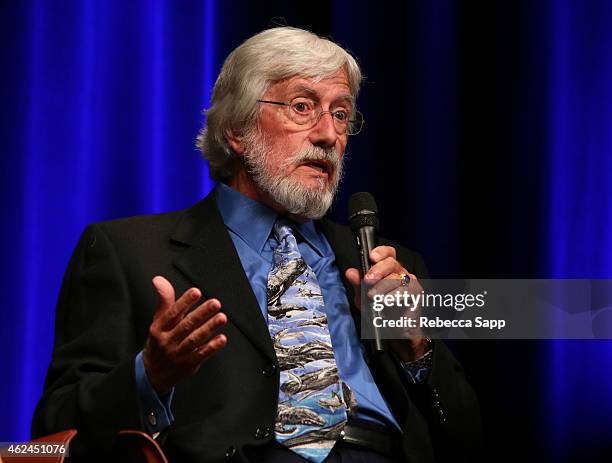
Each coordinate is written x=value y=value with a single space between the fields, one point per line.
x=297 y=167
x=288 y=138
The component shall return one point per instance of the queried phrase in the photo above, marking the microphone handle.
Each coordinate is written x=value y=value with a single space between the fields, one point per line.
x=366 y=241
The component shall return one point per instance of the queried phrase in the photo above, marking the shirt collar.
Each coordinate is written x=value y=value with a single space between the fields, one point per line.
x=309 y=232
x=252 y=221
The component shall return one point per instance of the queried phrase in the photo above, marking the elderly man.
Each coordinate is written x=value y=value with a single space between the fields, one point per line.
x=246 y=348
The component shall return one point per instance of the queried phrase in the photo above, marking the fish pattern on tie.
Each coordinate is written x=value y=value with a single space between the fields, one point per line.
x=313 y=401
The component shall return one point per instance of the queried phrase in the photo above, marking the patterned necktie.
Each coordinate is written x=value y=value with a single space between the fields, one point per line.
x=312 y=409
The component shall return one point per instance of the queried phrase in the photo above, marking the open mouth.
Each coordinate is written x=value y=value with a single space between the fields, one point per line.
x=323 y=167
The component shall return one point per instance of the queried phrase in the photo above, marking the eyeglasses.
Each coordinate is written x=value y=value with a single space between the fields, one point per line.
x=307 y=112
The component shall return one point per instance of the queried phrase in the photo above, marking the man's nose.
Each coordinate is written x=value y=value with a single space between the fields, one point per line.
x=323 y=133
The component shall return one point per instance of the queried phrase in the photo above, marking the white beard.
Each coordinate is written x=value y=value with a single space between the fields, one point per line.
x=295 y=197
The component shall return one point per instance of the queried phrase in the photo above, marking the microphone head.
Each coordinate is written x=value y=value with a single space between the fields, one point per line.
x=362 y=211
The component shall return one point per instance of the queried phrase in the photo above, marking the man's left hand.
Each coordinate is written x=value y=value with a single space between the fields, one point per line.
x=386 y=267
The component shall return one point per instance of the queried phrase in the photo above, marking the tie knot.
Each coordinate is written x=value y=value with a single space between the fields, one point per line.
x=282 y=230
x=287 y=245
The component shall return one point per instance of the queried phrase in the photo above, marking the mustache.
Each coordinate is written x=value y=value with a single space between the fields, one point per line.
x=314 y=153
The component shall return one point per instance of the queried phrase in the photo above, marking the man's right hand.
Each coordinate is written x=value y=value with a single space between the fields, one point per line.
x=178 y=341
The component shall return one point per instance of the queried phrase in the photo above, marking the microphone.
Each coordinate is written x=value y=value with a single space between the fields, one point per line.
x=363 y=220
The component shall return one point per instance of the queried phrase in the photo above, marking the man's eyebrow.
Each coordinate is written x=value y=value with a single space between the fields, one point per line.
x=345 y=97
x=301 y=88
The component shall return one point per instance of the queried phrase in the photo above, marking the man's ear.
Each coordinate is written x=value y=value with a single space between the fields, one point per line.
x=235 y=142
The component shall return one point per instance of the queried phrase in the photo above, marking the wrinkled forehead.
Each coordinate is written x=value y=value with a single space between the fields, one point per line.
x=334 y=87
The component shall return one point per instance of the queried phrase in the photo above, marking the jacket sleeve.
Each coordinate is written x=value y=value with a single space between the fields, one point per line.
x=90 y=384
x=445 y=398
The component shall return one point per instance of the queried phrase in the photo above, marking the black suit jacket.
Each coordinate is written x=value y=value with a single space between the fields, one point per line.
x=228 y=408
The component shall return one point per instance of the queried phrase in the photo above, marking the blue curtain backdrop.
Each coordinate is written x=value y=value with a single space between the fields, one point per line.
x=488 y=144
x=579 y=213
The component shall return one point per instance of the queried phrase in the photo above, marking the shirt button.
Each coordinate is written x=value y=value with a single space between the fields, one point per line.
x=152 y=419
x=269 y=370
x=229 y=453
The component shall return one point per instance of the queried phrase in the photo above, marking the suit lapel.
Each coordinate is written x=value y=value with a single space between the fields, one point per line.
x=212 y=264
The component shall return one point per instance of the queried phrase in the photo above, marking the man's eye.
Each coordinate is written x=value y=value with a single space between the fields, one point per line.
x=341 y=115
x=302 y=107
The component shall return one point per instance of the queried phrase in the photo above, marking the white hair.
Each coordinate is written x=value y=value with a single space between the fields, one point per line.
x=268 y=57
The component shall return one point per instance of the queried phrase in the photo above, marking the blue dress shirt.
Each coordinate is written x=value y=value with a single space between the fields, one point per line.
x=249 y=224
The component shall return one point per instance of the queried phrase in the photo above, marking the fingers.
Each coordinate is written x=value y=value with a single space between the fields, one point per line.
x=384 y=286
x=383 y=277
x=210 y=348
x=175 y=314
x=387 y=266
x=195 y=319
x=203 y=334
x=165 y=292
x=381 y=252
x=179 y=339
x=169 y=312
x=353 y=277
